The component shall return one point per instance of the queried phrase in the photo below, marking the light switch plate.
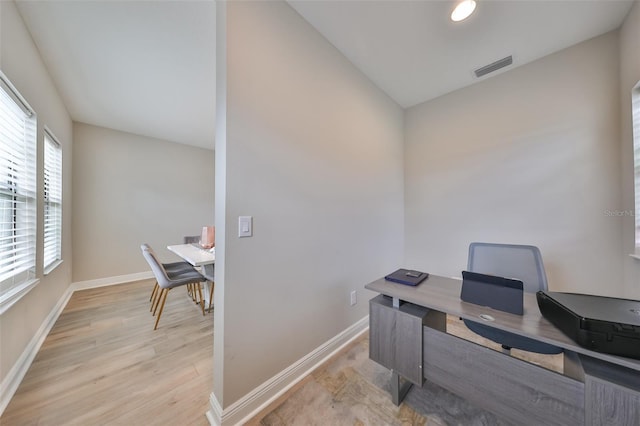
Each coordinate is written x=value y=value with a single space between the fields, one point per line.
x=245 y=226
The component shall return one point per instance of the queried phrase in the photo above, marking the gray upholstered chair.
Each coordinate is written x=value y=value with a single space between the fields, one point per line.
x=195 y=239
x=171 y=268
x=521 y=262
x=192 y=239
x=167 y=281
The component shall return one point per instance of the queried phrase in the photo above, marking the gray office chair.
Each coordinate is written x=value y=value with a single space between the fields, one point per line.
x=167 y=281
x=521 y=262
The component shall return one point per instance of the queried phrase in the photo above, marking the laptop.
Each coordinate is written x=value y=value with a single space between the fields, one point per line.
x=500 y=293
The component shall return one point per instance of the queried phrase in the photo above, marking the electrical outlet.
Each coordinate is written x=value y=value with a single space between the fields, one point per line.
x=354 y=298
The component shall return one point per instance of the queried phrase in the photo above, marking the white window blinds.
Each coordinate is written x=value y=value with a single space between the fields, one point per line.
x=52 y=201
x=17 y=191
x=635 y=99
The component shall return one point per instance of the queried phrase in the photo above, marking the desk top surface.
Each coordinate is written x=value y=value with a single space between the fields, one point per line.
x=194 y=255
x=443 y=294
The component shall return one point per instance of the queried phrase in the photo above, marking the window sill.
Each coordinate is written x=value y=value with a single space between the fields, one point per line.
x=9 y=299
x=51 y=267
x=635 y=256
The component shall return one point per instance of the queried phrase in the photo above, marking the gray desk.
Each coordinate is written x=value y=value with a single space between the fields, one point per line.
x=408 y=336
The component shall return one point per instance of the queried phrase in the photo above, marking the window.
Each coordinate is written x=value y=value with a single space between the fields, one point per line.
x=17 y=195
x=635 y=107
x=52 y=202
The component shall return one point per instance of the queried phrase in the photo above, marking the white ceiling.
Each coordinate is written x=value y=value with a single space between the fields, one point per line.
x=144 y=67
x=148 y=67
x=414 y=52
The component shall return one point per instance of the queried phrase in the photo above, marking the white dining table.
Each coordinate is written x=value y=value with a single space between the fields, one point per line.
x=198 y=256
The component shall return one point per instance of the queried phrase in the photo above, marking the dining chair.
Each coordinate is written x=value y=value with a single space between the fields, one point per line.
x=167 y=281
x=521 y=262
x=171 y=268
x=192 y=239
x=195 y=239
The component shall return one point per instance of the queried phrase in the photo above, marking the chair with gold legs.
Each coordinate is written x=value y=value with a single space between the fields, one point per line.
x=171 y=268
x=166 y=282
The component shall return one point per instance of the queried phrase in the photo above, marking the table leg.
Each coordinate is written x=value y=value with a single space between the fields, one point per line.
x=398 y=389
x=207 y=271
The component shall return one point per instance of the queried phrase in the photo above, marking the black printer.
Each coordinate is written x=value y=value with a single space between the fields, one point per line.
x=602 y=324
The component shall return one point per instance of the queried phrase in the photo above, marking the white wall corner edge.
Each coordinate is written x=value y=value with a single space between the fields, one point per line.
x=255 y=401
x=14 y=377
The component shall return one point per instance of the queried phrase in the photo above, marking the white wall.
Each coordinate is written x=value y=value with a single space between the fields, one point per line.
x=131 y=189
x=21 y=63
x=531 y=156
x=629 y=77
x=314 y=153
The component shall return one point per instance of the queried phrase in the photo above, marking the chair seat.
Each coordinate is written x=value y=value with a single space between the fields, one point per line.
x=180 y=269
x=178 y=266
x=511 y=340
x=180 y=278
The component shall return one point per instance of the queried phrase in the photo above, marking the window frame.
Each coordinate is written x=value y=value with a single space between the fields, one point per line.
x=16 y=283
x=635 y=124
x=55 y=202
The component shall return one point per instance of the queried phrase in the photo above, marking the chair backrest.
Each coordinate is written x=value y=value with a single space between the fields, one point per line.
x=156 y=267
x=195 y=239
x=147 y=247
x=521 y=262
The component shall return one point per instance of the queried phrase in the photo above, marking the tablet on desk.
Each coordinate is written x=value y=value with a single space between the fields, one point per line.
x=503 y=294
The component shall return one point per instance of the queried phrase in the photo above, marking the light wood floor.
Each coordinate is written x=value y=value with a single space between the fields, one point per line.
x=102 y=363
x=348 y=390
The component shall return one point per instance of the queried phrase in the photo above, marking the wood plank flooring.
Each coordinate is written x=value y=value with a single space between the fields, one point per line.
x=102 y=363
x=350 y=389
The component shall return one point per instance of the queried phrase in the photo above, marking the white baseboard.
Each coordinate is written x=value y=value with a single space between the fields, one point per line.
x=214 y=415
x=14 y=377
x=238 y=412
x=119 y=279
x=12 y=380
x=251 y=404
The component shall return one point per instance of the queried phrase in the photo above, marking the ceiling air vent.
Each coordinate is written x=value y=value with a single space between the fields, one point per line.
x=500 y=63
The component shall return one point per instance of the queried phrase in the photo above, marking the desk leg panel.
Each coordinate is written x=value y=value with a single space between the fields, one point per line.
x=395 y=337
x=612 y=394
x=382 y=324
x=516 y=390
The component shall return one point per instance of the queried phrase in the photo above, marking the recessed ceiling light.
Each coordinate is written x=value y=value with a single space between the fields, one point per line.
x=463 y=10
